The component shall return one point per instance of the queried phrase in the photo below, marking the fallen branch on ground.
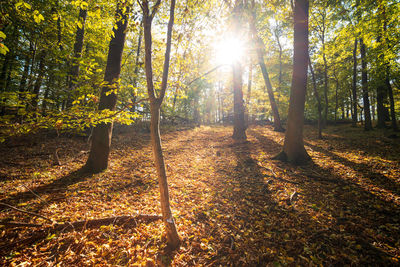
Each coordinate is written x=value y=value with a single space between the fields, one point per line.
x=78 y=225
x=27 y=212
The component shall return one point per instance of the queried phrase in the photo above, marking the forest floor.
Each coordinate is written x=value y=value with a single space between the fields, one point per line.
x=233 y=205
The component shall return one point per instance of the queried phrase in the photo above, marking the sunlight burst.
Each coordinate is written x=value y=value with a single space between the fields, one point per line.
x=229 y=50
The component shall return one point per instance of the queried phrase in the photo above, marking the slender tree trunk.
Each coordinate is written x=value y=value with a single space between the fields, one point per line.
x=22 y=84
x=3 y=73
x=293 y=147
x=316 y=94
x=392 y=106
x=387 y=73
x=102 y=133
x=136 y=71
x=249 y=84
x=364 y=81
x=78 y=47
x=260 y=56
x=155 y=103
x=39 y=79
x=336 y=93
x=326 y=107
x=354 y=88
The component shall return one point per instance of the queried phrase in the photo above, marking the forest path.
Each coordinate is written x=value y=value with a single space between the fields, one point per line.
x=233 y=205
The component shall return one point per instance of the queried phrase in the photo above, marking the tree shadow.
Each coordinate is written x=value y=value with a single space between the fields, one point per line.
x=353 y=224
x=57 y=186
x=375 y=178
x=376 y=143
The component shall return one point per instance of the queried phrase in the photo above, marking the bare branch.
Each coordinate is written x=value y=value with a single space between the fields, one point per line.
x=167 y=52
x=27 y=212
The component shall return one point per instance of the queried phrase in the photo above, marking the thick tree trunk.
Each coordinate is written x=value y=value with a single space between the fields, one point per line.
x=239 y=125
x=78 y=47
x=316 y=94
x=354 y=88
x=155 y=103
x=364 y=82
x=102 y=133
x=293 y=147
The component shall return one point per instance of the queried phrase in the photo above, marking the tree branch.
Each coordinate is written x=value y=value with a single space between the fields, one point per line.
x=24 y=211
x=167 y=52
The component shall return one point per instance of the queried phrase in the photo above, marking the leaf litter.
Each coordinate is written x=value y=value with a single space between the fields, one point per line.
x=233 y=205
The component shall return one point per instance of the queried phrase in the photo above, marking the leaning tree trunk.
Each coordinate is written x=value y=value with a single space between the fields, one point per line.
x=364 y=82
x=78 y=47
x=354 y=88
x=293 y=147
x=102 y=133
x=155 y=103
x=260 y=56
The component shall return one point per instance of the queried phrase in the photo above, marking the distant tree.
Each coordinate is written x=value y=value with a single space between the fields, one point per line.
x=293 y=147
x=78 y=46
x=102 y=133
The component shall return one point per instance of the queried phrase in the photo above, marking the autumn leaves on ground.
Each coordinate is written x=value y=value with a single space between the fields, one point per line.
x=233 y=205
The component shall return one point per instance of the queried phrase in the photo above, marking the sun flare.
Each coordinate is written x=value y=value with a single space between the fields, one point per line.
x=229 y=50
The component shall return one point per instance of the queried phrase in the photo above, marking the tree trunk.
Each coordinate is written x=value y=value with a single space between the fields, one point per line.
x=392 y=107
x=364 y=82
x=136 y=71
x=155 y=103
x=172 y=234
x=293 y=147
x=78 y=47
x=239 y=125
x=316 y=94
x=325 y=88
x=39 y=79
x=260 y=56
x=24 y=77
x=387 y=74
x=102 y=133
x=354 y=88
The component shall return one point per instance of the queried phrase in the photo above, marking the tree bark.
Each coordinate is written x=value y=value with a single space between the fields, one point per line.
x=354 y=88
x=78 y=47
x=239 y=124
x=316 y=94
x=293 y=147
x=102 y=133
x=392 y=106
x=364 y=82
x=260 y=56
x=155 y=104
x=39 y=79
